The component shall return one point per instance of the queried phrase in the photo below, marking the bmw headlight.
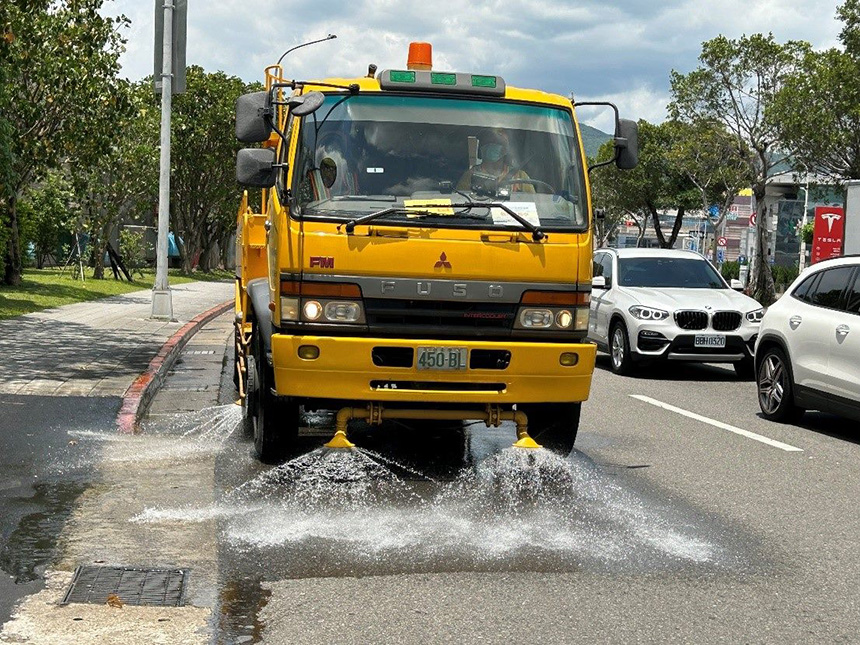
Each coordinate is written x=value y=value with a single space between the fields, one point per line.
x=757 y=315
x=648 y=313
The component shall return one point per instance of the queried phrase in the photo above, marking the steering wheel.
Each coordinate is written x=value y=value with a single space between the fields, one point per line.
x=534 y=182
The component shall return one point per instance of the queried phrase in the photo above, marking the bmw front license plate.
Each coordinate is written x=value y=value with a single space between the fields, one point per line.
x=441 y=358
x=709 y=340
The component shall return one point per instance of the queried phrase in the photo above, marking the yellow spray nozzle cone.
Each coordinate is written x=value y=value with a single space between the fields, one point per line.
x=526 y=442
x=339 y=440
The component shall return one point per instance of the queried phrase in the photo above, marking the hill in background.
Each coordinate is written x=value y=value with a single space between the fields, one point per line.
x=592 y=139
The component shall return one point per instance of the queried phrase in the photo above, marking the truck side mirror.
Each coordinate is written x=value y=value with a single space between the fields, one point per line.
x=253 y=117
x=627 y=144
x=304 y=104
x=255 y=167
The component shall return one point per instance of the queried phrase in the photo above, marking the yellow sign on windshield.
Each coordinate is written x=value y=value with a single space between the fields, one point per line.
x=435 y=206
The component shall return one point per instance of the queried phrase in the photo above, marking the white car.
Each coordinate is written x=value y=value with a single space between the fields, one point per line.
x=665 y=304
x=808 y=351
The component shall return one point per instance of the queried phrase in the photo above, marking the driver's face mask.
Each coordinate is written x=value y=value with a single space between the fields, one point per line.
x=493 y=151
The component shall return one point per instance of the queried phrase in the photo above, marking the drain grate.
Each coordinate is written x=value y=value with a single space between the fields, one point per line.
x=151 y=587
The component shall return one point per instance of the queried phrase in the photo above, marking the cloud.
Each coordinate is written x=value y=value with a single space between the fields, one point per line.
x=618 y=50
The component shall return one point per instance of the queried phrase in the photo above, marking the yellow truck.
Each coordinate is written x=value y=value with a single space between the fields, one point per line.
x=422 y=250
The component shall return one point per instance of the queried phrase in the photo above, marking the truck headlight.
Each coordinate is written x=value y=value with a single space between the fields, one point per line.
x=536 y=318
x=552 y=318
x=312 y=310
x=563 y=319
x=339 y=311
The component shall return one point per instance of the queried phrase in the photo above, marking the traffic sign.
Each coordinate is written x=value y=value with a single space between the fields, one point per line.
x=721 y=256
x=752 y=219
x=721 y=241
x=742 y=259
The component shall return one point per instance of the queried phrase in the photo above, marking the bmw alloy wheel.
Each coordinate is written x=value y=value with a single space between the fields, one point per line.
x=618 y=347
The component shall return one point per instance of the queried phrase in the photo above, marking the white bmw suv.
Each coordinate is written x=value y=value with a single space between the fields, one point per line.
x=666 y=304
x=808 y=350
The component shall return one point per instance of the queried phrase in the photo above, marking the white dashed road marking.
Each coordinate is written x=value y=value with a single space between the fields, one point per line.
x=718 y=424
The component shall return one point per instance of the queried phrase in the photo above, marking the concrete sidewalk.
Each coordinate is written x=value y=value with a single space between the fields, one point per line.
x=95 y=348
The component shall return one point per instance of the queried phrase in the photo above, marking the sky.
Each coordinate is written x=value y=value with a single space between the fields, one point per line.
x=616 y=50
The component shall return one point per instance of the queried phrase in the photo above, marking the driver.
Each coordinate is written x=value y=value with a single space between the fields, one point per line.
x=494 y=163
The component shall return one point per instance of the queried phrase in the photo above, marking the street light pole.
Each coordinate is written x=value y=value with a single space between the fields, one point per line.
x=802 y=262
x=162 y=301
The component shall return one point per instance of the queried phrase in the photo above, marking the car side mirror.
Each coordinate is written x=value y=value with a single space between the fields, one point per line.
x=598 y=282
x=255 y=167
x=253 y=117
x=736 y=284
x=627 y=144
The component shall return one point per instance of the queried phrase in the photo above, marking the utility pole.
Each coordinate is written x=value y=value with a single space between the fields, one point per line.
x=802 y=262
x=162 y=300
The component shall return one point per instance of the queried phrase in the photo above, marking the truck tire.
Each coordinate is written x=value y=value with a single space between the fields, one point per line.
x=276 y=419
x=236 y=346
x=252 y=394
x=554 y=425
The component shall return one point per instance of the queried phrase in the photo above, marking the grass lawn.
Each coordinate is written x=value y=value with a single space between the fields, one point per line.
x=46 y=288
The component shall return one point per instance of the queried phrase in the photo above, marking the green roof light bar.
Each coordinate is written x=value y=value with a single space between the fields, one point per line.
x=441 y=82
x=402 y=77
x=483 y=81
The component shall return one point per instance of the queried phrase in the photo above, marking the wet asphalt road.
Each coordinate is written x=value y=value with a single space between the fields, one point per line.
x=659 y=527
x=722 y=527
x=39 y=483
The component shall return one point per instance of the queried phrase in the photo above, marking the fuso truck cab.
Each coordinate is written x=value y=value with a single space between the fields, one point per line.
x=422 y=251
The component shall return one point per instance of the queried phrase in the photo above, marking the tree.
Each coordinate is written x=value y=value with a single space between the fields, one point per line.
x=58 y=58
x=47 y=210
x=203 y=184
x=715 y=163
x=816 y=109
x=655 y=185
x=119 y=181
x=735 y=85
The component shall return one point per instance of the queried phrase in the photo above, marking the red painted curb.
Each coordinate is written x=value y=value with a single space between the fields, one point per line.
x=138 y=396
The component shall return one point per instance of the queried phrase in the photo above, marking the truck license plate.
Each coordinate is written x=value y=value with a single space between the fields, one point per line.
x=709 y=340
x=441 y=358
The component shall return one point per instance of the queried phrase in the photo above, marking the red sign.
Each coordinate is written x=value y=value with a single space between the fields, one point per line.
x=752 y=220
x=721 y=241
x=828 y=233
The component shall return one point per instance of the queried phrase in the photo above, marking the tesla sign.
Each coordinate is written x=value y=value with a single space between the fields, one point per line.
x=828 y=233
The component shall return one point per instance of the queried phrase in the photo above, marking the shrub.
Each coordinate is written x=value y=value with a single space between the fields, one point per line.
x=730 y=270
x=132 y=248
x=784 y=275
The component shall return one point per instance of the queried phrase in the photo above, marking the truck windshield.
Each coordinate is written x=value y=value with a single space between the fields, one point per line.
x=366 y=153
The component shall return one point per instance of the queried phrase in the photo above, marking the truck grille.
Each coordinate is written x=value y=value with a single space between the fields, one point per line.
x=691 y=319
x=726 y=320
x=471 y=318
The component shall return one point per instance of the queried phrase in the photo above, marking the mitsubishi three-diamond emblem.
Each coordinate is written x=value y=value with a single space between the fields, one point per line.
x=443 y=262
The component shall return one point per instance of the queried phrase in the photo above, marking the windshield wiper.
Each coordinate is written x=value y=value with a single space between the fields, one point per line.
x=418 y=210
x=537 y=234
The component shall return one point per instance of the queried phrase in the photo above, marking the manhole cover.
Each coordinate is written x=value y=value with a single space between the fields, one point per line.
x=152 y=587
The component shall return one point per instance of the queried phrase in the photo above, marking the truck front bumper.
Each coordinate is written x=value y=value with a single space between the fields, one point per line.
x=345 y=369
